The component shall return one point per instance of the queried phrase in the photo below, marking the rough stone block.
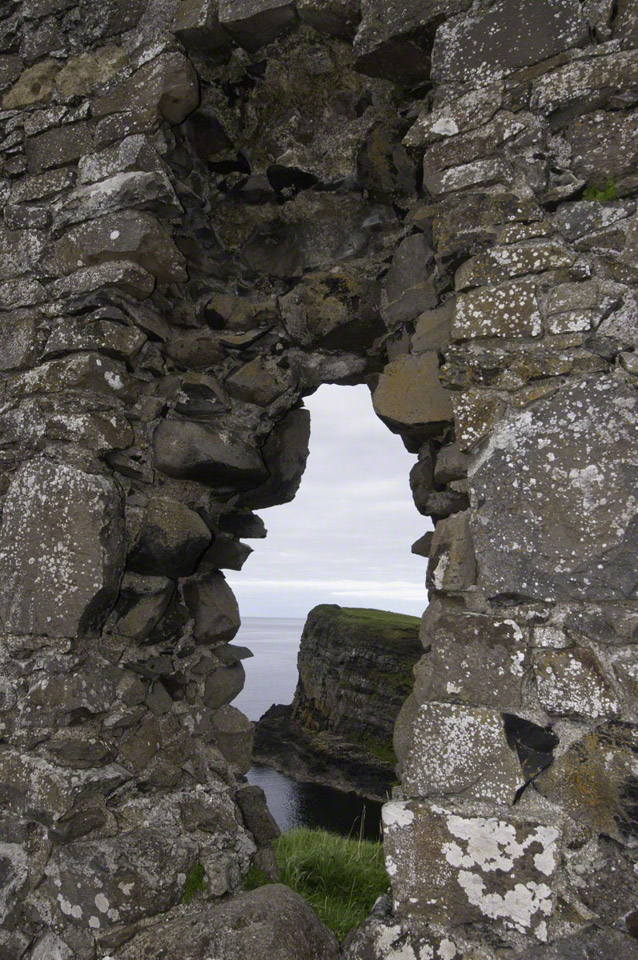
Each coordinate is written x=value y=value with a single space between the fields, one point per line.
x=604 y=150
x=53 y=148
x=479 y=173
x=409 y=397
x=166 y=87
x=454 y=869
x=81 y=75
x=213 y=607
x=581 y=85
x=123 y=191
x=197 y=26
x=508 y=310
x=394 y=39
x=61 y=550
x=224 y=684
x=452 y=566
x=131 y=236
x=35 y=85
x=476 y=412
x=129 y=277
x=502 y=263
x=468 y=112
x=272 y=922
x=573 y=683
x=258 y=382
x=142 y=603
x=234 y=736
x=591 y=944
x=506 y=36
x=594 y=779
x=20 y=251
x=432 y=329
x=409 y=287
x=555 y=494
x=134 y=153
x=254 y=23
x=18 y=339
x=460 y=750
x=285 y=453
x=207 y=454
x=336 y=18
x=336 y=310
x=170 y=540
x=474 y=655
x=93 y=333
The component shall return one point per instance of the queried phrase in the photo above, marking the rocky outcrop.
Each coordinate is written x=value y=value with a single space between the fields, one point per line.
x=355 y=672
x=209 y=209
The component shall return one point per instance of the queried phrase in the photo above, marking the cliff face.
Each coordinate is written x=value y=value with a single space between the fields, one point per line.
x=355 y=672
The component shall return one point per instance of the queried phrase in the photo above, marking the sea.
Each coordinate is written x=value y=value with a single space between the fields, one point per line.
x=271 y=677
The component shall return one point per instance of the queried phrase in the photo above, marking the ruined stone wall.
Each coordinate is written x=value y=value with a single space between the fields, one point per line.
x=210 y=208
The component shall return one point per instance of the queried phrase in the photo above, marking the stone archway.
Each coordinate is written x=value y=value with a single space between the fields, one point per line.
x=209 y=210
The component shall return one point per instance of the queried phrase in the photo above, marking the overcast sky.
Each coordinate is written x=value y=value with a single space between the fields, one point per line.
x=346 y=536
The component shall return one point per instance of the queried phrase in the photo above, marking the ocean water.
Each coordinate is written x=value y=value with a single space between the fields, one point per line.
x=271 y=677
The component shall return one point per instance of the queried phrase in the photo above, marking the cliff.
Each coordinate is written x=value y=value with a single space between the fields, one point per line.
x=355 y=672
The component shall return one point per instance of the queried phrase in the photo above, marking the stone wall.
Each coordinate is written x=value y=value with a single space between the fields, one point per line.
x=210 y=208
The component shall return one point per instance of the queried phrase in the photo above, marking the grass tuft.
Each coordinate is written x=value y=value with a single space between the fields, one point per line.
x=602 y=194
x=195 y=883
x=340 y=877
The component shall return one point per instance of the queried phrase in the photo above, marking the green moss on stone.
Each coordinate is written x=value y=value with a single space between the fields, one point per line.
x=195 y=883
x=602 y=194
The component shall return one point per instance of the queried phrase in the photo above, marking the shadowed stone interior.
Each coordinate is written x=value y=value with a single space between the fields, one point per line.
x=210 y=208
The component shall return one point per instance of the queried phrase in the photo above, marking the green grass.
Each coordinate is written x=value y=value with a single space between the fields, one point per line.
x=603 y=194
x=195 y=883
x=378 y=618
x=341 y=877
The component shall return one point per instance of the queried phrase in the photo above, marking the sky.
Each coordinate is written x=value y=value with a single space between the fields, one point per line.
x=346 y=536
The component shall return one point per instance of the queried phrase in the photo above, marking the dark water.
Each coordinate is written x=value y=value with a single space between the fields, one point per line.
x=271 y=677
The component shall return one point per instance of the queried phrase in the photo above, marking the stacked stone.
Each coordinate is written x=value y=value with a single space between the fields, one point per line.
x=210 y=208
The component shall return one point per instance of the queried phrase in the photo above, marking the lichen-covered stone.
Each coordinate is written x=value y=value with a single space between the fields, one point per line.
x=409 y=287
x=455 y=868
x=504 y=37
x=509 y=310
x=580 y=467
x=452 y=566
x=456 y=750
x=166 y=87
x=573 y=682
x=62 y=550
x=197 y=26
x=170 y=540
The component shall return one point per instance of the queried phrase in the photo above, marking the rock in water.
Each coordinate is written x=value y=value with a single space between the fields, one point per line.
x=355 y=671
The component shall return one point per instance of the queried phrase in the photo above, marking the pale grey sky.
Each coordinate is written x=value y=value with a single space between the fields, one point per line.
x=346 y=536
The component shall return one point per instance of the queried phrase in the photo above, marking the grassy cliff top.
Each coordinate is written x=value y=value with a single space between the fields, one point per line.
x=378 y=621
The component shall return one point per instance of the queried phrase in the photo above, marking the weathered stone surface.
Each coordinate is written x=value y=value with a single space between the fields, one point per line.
x=213 y=607
x=254 y=23
x=224 y=684
x=409 y=397
x=572 y=682
x=452 y=566
x=207 y=454
x=197 y=26
x=128 y=277
x=409 y=288
x=471 y=656
x=457 y=750
x=578 y=448
x=502 y=263
x=394 y=40
x=466 y=113
x=53 y=148
x=226 y=553
x=18 y=339
x=271 y=922
x=142 y=603
x=593 y=779
x=506 y=36
x=509 y=310
x=61 y=550
x=129 y=235
x=170 y=540
x=82 y=74
x=259 y=382
x=335 y=310
x=285 y=453
x=123 y=191
x=337 y=18
x=604 y=149
x=584 y=83
x=35 y=85
x=234 y=737
x=110 y=337
x=473 y=868
x=166 y=87
x=592 y=944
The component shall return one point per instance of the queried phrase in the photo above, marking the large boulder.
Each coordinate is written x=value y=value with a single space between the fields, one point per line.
x=213 y=607
x=170 y=540
x=410 y=400
x=270 y=922
x=285 y=453
x=61 y=550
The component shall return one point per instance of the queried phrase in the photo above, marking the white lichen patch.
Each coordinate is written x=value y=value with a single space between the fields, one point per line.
x=396 y=814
